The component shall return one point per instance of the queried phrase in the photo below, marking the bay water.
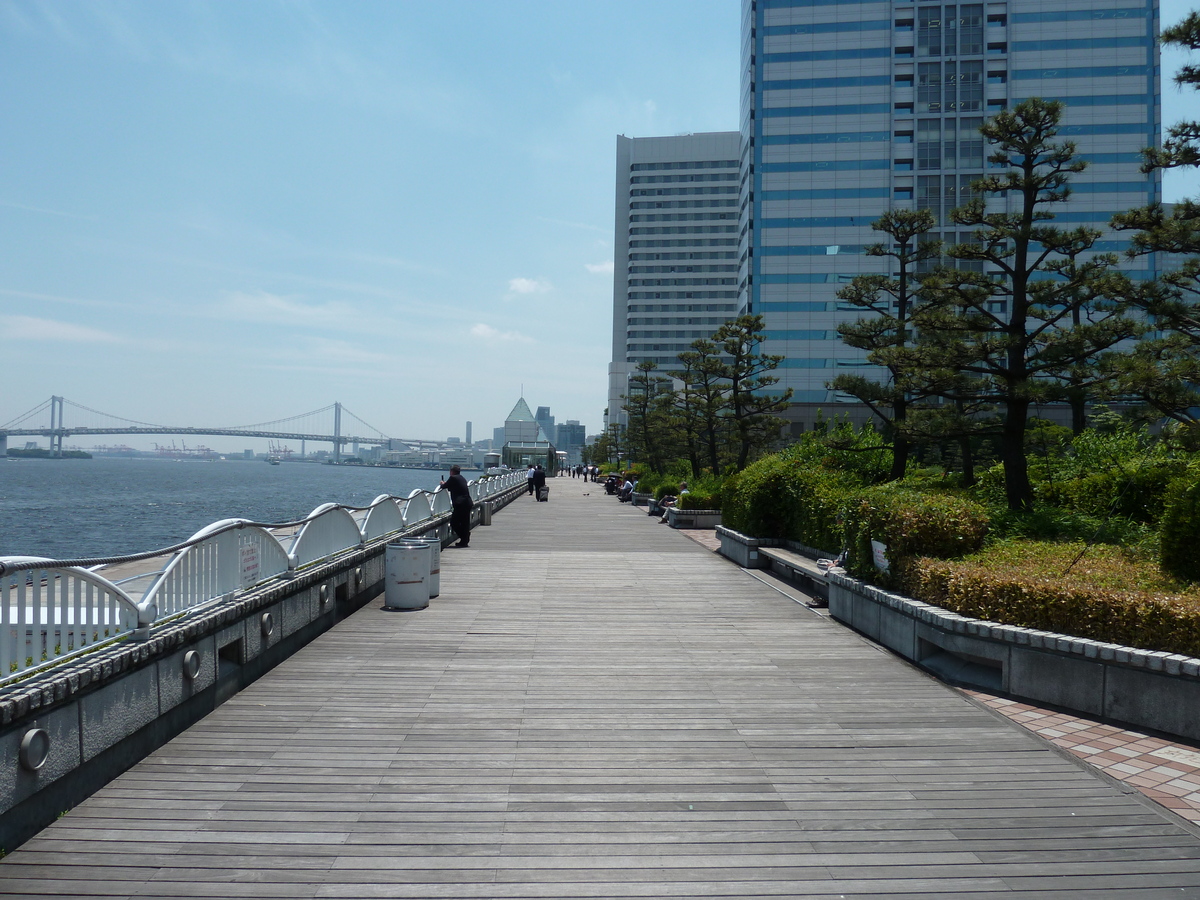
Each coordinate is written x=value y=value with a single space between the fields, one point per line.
x=73 y=508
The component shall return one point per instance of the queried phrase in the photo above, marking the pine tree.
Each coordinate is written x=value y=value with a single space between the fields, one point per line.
x=1008 y=327
x=890 y=301
x=1162 y=372
x=700 y=404
x=753 y=407
x=647 y=406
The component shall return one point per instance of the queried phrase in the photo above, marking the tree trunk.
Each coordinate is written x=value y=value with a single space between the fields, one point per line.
x=900 y=444
x=968 y=460
x=1078 y=411
x=714 y=457
x=1017 y=488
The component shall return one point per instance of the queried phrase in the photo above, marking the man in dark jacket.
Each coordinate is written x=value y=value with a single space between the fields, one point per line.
x=460 y=505
x=539 y=482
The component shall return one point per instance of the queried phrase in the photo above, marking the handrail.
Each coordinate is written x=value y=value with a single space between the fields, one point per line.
x=60 y=614
x=68 y=607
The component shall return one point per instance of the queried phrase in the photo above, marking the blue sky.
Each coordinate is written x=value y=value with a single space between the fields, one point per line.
x=228 y=212
x=222 y=213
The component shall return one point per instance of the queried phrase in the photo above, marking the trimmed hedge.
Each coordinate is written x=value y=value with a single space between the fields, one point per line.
x=789 y=499
x=912 y=524
x=1179 y=529
x=1138 y=495
x=706 y=492
x=1130 y=618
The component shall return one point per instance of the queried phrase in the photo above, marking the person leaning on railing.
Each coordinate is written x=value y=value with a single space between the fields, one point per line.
x=460 y=505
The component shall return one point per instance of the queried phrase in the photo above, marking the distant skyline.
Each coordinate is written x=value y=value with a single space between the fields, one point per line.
x=231 y=212
x=221 y=213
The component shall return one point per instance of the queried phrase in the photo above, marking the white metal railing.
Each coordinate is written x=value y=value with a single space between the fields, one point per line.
x=227 y=556
x=53 y=609
x=49 y=612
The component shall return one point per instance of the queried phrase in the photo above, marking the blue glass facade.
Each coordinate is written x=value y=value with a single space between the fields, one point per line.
x=856 y=106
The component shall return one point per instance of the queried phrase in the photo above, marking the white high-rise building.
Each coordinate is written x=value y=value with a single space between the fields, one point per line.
x=675 y=249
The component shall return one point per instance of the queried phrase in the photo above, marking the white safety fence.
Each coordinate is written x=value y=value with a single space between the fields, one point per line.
x=54 y=609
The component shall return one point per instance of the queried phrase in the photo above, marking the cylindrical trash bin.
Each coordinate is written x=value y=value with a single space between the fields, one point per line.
x=435 y=567
x=485 y=512
x=406 y=577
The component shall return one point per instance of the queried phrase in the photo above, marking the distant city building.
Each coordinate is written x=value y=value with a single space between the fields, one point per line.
x=675 y=260
x=406 y=457
x=569 y=438
x=520 y=426
x=544 y=419
x=459 y=457
x=468 y=441
x=525 y=441
x=497 y=438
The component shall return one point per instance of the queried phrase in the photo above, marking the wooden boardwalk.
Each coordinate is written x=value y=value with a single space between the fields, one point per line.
x=597 y=706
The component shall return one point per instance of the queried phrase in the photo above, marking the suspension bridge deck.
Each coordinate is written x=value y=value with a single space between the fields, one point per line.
x=598 y=707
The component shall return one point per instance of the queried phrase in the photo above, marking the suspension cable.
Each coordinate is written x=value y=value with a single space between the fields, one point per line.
x=19 y=419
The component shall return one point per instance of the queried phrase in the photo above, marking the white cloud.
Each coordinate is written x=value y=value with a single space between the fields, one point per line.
x=490 y=335
x=604 y=268
x=529 y=286
x=28 y=328
x=344 y=353
x=651 y=107
x=262 y=306
x=586 y=226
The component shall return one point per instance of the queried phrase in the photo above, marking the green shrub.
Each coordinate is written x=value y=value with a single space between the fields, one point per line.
x=1138 y=494
x=862 y=453
x=669 y=486
x=648 y=482
x=783 y=496
x=1179 y=529
x=911 y=524
x=706 y=492
x=1051 y=523
x=1049 y=602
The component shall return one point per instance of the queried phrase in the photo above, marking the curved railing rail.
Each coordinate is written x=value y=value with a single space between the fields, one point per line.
x=54 y=609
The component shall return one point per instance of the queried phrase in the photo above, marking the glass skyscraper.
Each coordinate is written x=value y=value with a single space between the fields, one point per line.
x=850 y=108
x=853 y=107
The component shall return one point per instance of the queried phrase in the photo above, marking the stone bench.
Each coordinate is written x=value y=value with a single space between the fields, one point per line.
x=693 y=518
x=797 y=568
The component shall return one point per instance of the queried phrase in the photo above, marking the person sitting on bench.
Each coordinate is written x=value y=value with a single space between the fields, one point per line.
x=671 y=502
x=626 y=492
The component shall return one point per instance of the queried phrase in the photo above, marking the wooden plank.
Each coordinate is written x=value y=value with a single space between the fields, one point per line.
x=598 y=708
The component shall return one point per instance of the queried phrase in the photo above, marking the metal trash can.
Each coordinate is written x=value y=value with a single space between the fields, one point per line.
x=485 y=512
x=435 y=567
x=406 y=576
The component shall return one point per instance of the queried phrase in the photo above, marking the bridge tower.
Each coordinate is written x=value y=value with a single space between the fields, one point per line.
x=337 y=433
x=56 y=427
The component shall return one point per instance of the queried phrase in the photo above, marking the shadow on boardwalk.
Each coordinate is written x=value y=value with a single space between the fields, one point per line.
x=597 y=706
